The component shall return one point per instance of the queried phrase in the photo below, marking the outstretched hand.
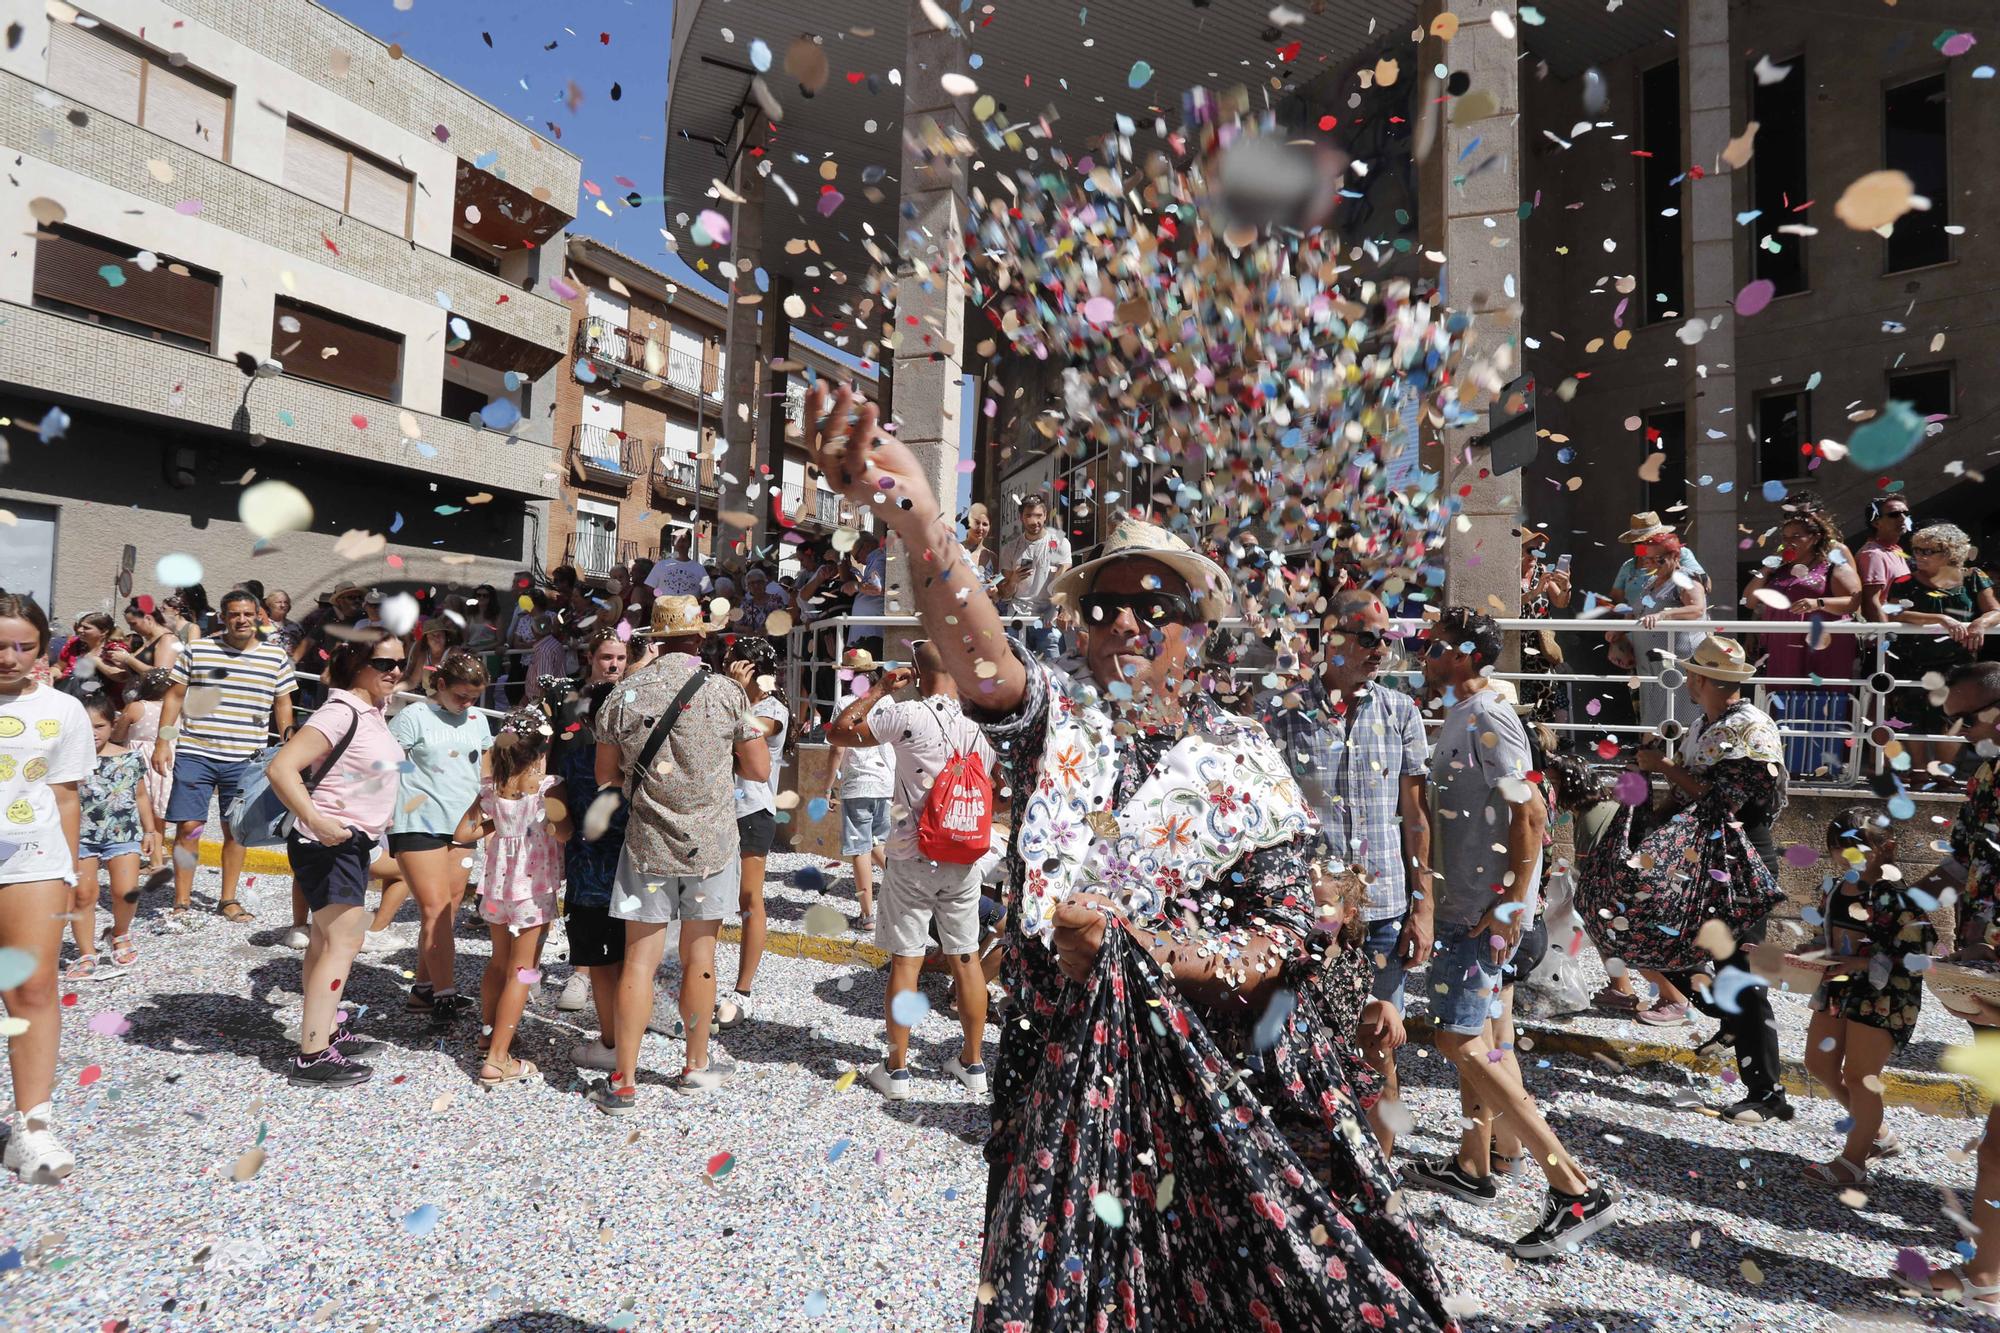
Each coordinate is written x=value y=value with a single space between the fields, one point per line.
x=846 y=443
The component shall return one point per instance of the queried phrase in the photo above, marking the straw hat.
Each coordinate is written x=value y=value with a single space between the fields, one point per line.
x=1135 y=539
x=1530 y=537
x=1645 y=524
x=1719 y=658
x=858 y=659
x=676 y=617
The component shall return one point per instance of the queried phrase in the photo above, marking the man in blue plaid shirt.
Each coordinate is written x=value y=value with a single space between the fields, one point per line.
x=1357 y=748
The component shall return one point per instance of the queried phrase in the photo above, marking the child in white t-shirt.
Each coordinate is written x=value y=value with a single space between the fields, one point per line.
x=863 y=777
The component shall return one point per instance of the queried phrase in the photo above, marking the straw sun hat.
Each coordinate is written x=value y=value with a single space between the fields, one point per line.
x=1719 y=658
x=1135 y=539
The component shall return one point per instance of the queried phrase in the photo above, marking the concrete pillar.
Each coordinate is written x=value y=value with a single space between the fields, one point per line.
x=1708 y=369
x=930 y=287
x=1470 y=214
x=777 y=354
x=737 y=441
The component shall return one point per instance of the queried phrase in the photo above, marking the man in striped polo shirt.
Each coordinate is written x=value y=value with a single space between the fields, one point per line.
x=228 y=692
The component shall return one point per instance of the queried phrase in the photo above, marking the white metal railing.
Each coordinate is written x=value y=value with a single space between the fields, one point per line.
x=684 y=370
x=596 y=550
x=828 y=507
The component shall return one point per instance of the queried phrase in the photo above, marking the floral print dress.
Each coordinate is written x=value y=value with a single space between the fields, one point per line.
x=1156 y=1168
x=109 y=801
x=1646 y=904
x=1871 y=931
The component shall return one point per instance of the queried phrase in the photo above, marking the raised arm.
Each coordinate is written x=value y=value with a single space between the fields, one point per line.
x=960 y=618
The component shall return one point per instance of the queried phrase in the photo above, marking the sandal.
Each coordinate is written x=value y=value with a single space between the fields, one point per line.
x=865 y=922
x=80 y=969
x=523 y=1071
x=123 y=951
x=1969 y=1294
x=236 y=912
x=1839 y=1171
x=1888 y=1144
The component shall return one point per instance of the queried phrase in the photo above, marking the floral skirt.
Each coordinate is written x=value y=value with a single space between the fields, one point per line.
x=1138 y=1182
x=1646 y=904
x=1893 y=1006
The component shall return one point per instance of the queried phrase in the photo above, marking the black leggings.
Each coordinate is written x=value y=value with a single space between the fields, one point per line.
x=1752 y=1032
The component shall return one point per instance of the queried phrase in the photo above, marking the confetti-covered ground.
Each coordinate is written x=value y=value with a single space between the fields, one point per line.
x=421 y=1201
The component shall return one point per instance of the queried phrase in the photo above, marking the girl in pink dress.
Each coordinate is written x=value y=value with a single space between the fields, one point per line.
x=524 y=831
x=140 y=727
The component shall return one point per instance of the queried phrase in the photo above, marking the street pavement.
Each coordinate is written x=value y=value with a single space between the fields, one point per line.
x=209 y=1195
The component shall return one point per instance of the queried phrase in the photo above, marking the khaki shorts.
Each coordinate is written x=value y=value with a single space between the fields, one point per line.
x=912 y=893
x=657 y=899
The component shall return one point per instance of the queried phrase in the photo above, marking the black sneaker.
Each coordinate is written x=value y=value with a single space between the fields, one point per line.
x=447 y=1010
x=1570 y=1219
x=327 y=1069
x=1758 y=1110
x=352 y=1044
x=1446 y=1176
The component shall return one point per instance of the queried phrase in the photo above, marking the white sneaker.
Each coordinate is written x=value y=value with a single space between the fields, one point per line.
x=742 y=1004
x=378 y=942
x=35 y=1155
x=893 y=1084
x=972 y=1076
x=575 y=993
x=297 y=938
x=593 y=1054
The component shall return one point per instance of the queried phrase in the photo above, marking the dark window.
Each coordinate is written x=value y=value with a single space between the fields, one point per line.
x=1927 y=389
x=483 y=260
x=1659 y=198
x=1778 y=177
x=460 y=403
x=89 y=277
x=332 y=349
x=1784 y=426
x=1913 y=142
x=1666 y=434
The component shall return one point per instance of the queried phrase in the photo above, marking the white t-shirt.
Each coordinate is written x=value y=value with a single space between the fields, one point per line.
x=867 y=771
x=924 y=734
x=756 y=797
x=44 y=739
x=677 y=578
x=1044 y=558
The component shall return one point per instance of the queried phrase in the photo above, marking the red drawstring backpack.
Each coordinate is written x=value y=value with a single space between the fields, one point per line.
x=956 y=826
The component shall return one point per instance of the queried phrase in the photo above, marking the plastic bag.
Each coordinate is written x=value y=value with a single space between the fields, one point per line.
x=1558 y=984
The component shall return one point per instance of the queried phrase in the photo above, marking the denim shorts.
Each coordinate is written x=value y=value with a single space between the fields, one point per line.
x=104 y=851
x=196 y=776
x=864 y=824
x=1465 y=981
x=1386 y=960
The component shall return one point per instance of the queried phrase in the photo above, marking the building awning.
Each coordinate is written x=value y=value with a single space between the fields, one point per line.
x=499 y=351
x=1073 y=70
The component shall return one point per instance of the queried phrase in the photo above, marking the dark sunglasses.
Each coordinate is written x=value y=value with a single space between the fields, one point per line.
x=386 y=665
x=1147 y=608
x=1366 y=639
x=1984 y=713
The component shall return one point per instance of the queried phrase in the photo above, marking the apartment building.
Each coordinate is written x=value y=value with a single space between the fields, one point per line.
x=1718 y=427
x=639 y=417
x=253 y=241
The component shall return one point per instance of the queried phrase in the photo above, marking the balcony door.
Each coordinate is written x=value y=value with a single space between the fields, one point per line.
x=602 y=419
x=596 y=538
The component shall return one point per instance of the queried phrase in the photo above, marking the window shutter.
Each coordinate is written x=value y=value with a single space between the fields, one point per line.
x=191 y=110
x=364 y=359
x=94 y=68
x=315 y=167
x=69 y=268
x=378 y=195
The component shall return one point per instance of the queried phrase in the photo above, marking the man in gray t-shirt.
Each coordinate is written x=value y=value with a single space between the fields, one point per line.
x=1487 y=820
x=1479 y=786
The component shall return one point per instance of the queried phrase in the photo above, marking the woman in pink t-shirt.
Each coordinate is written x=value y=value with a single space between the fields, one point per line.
x=338 y=775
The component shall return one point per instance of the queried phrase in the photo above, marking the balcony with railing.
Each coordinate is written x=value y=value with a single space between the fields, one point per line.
x=594 y=552
x=677 y=472
x=649 y=364
x=606 y=458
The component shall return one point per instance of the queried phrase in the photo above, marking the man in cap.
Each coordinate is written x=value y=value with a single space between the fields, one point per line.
x=1164 y=935
x=672 y=737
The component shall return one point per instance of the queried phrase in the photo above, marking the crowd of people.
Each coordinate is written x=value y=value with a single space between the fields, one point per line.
x=1188 y=904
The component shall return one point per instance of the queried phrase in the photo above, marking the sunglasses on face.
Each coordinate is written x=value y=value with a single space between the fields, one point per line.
x=1984 y=714
x=1368 y=640
x=1147 y=608
x=387 y=666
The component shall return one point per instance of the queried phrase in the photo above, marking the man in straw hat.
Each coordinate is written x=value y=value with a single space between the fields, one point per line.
x=672 y=738
x=1164 y=947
